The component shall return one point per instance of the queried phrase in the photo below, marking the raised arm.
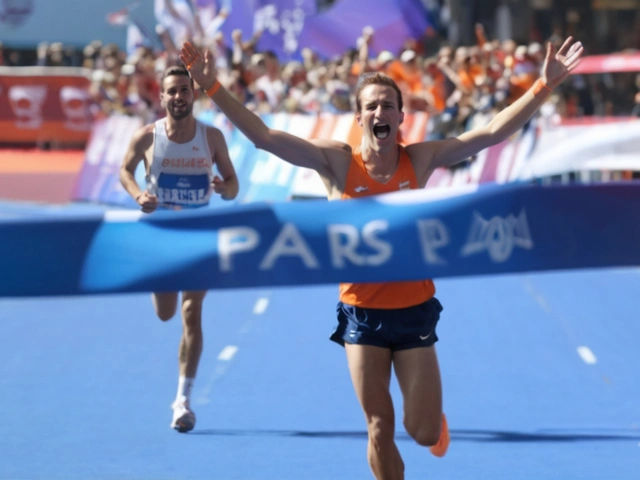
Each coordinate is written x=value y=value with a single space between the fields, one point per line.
x=363 y=49
x=316 y=155
x=557 y=67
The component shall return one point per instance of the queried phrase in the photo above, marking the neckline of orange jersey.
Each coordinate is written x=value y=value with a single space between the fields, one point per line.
x=357 y=154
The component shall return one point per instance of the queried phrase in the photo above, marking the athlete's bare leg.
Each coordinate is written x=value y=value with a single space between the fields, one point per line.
x=190 y=349
x=370 y=369
x=191 y=341
x=418 y=376
x=165 y=304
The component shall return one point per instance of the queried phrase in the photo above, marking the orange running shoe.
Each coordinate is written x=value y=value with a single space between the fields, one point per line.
x=440 y=448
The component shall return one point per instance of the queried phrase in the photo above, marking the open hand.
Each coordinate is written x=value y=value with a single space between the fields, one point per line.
x=200 y=65
x=557 y=66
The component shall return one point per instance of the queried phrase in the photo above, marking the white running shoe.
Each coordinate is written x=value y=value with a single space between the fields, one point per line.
x=183 y=417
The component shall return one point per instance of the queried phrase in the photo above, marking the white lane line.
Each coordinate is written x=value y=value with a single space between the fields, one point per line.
x=542 y=303
x=227 y=353
x=260 y=306
x=587 y=355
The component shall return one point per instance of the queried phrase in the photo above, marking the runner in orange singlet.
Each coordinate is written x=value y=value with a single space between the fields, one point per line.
x=387 y=325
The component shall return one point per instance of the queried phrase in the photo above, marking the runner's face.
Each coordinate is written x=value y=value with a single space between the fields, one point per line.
x=379 y=117
x=178 y=96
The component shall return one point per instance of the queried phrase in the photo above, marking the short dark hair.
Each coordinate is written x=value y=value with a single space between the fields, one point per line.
x=179 y=70
x=376 y=79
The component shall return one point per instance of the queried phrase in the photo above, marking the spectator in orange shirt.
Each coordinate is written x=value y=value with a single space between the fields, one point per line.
x=437 y=88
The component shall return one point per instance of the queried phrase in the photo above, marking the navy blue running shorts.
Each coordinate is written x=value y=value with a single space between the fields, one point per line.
x=395 y=329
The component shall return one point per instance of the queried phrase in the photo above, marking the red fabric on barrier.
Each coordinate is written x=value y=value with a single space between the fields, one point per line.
x=609 y=63
x=44 y=105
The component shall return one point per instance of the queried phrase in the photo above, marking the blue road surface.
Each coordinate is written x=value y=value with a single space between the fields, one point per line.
x=540 y=372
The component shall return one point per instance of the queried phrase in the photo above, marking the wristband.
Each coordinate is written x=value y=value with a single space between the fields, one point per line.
x=539 y=86
x=213 y=89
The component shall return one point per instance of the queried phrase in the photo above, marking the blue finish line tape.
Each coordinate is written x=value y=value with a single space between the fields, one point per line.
x=406 y=235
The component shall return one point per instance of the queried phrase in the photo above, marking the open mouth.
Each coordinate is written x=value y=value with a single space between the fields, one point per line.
x=381 y=130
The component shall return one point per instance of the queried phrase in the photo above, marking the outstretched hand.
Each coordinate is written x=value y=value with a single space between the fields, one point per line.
x=200 y=65
x=558 y=65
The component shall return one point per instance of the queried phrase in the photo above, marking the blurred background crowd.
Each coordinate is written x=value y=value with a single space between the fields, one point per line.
x=460 y=78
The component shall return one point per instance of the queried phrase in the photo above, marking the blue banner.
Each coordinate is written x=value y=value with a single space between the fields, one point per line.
x=400 y=236
x=327 y=27
x=99 y=179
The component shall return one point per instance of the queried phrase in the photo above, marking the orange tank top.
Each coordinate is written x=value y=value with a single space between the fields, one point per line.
x=390 y=294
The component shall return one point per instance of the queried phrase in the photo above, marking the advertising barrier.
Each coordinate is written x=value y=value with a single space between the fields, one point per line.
x=45 y=105
x=264 y=177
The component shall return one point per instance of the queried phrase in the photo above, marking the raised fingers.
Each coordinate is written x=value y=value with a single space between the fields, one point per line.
x=575 y=52
x=189 y=54
x=565 y=46
x=188 y=49
x=574 y=58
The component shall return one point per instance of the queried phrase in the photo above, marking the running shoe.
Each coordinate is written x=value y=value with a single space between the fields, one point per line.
x=183 y=417
x=440 y=448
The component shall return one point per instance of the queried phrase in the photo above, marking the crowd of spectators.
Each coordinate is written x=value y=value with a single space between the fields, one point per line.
x=459 y=86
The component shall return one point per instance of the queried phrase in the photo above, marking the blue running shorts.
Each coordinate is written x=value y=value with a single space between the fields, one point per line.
x=395 y=329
